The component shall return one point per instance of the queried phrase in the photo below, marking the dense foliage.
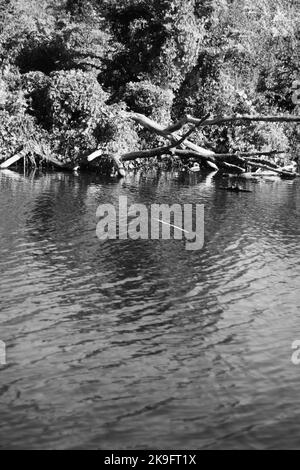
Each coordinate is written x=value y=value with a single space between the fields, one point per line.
x=69 y=70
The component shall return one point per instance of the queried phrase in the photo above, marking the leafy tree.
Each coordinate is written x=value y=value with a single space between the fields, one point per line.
x=69 y=69
x=160 y=41
x=145 y=98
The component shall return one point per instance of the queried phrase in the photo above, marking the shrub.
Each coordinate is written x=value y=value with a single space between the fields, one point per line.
x=160 y=41
x=115 y=133
x=145 y=98
x=35 y=86
x=12 y=97
x=18 y=131
x=108 y=130
x=74 y=98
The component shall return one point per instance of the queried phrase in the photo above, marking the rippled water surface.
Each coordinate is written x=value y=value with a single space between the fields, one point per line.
x=130 y=345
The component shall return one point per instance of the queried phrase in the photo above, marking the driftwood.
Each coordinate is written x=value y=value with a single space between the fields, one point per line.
x=160 y=150
x=94 y=155
x=232 y=168
x=250 y=154
x=13 y=159
x=194 y=156
x=172 y=136
x=281 y=172
x=183 y=148
x=24 y=152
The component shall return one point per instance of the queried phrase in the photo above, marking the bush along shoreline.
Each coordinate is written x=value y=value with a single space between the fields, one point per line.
x=92 y=84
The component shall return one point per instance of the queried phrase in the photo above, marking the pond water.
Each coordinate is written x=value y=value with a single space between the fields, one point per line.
x=142 y=344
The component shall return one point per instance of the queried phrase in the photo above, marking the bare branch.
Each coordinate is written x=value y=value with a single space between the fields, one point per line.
x=14 y=159
x=230 y=161
x=246 y=118
x=156 y=152
x=174 y=138
x=177 y=126
x=249 y=154
x=275 y=170
x=161 y=150
x=193 y=129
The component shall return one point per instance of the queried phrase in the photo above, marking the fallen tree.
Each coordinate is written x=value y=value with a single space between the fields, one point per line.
x=180 y=147
x=184 y=149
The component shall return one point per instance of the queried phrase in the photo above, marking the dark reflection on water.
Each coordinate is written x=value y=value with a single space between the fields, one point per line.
x=143 y=344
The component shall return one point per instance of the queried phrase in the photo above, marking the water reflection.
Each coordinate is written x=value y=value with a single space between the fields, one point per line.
x=143 y=344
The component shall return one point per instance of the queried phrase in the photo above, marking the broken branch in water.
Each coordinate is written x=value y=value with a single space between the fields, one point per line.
x=183 y=148
x=250 y=154
x=173 y=137
x=280 y=171
x=160 y=150
x=14 y=159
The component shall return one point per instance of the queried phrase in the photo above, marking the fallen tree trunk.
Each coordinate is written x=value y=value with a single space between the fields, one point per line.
x=232 y=168
x=250 y=154
x=191 y=154
x=261 y=161
x=13 y=159
x=49 y=159
x=174 y=137
x=94 y=155
x=156 y=152
x=286 y=174
x=217 y=160
x=183 y=148
x=244 y=118
x=161 y=150
x=188 y=119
